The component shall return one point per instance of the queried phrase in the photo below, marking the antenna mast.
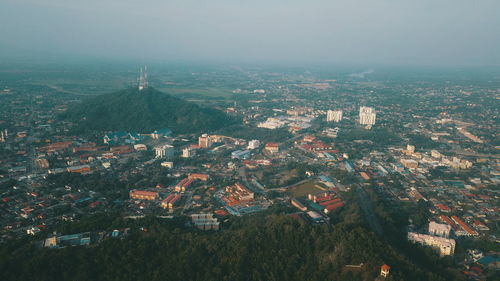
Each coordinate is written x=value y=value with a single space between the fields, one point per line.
x=143 y=79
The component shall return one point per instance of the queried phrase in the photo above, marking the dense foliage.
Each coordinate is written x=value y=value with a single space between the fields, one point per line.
x=261 y=247
x=262 y=134
x=143 y=111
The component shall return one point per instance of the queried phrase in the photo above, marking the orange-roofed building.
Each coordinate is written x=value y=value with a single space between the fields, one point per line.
x=143 y=195
x=464 y=226
x=57 y=146
x=221 y=213
x=364 y=176
x=309 y=138
x=384 y=270
x=195 y=176
x=272 y=147
x=83 y=169
x=443 y=207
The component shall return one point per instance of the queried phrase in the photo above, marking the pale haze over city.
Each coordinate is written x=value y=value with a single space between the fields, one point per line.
x=457 y=32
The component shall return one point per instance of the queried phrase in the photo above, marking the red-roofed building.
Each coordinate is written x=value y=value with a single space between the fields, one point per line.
x=449 y=222
x=82 y=169
x=384 y=270
x=183 y=184
x=464 y=226
x=195 y=176
x=272 y=147
x=480 y=225
x=309 y=138
x=221 y=213
x=143 y=195
x=443 y=207
x=56 y=146
x=333 y=207
x=330 y=202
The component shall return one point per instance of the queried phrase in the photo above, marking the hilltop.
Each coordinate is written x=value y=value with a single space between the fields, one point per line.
x=142 y=111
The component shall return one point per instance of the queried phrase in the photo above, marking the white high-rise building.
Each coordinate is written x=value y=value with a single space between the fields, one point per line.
x=367 y=115
x=165 y=151
x=334 y=115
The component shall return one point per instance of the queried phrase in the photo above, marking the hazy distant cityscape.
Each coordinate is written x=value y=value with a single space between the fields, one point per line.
x=222 y=140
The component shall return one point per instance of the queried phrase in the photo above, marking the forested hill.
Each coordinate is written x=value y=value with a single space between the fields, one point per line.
x=263 y=247
x=143 y=111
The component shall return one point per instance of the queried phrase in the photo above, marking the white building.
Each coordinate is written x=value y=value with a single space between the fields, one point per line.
x=188 y=152
x=410 y=148
x=439 y=229
x=165 y=151
x=334 y=116
x=253 y=144
x=272 y=123
x=140 y=147
x=205 y=141
x=435 y=154
x=367 y=115
x=168 y=165
x=445 y=246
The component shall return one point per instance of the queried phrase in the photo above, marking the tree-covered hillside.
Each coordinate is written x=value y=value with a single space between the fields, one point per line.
x=143 y=111
x=261 y=247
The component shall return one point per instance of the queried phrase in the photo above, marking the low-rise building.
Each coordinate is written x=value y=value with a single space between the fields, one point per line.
x=240 y=154
x=272 y=147
x=170 y=201
x=198 y=176
x=143 y=195
x=165 y=151
x=445 y=246
x=205 y=141
x=253 y=144
x=205 y=221
x=409 y=163
x=439 y=229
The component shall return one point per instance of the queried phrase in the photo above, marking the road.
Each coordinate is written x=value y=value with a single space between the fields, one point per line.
x=30 y=165
x=474 y=154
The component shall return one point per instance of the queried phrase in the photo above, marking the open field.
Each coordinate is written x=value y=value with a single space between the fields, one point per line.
x=304 y=189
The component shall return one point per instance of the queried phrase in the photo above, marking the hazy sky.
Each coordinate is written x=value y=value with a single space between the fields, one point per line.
x=358 y=31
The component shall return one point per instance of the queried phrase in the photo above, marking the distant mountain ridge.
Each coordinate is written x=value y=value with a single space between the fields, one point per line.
x=142 y=111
